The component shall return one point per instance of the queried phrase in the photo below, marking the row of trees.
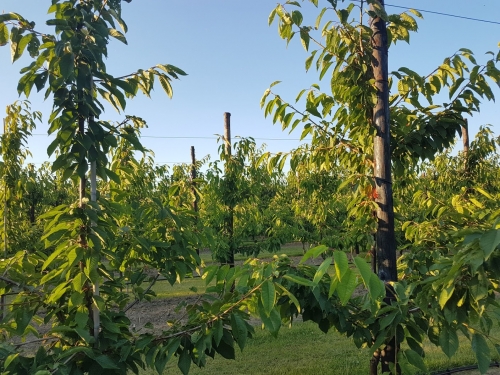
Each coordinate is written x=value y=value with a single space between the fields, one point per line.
x=103 y=215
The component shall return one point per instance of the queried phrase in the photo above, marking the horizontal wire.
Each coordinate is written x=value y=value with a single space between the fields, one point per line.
x=438 y=13
x=445 y=14
x=211 y=138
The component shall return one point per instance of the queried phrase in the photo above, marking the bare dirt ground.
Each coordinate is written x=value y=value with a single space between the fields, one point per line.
x=158 y=312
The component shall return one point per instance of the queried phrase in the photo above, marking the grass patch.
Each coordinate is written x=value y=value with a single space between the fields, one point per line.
x=304 y=350
x=164 y=290
x=300 y=350
x=292 y=250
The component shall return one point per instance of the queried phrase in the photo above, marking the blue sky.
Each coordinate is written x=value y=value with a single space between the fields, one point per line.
x=231 y=56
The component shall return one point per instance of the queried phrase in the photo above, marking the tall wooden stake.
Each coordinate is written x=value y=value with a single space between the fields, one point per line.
x=3 y=299
x=465 y=140
x=229 y=175
x=386 y=240
x=93 y=198
x=96 y=318
x=193 y=189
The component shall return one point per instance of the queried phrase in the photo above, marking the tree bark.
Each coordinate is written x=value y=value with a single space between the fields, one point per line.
x=374 y=361
x=193 y=189
x=386 y=240
x=229 y=175
x=465 y=140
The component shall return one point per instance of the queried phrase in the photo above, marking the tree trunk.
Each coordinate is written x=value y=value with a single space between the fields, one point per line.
x=229 y=175
x=193 y=189
x=386 y=240
x=3 y=298
x=374 y=361
x=95 y=288
x=465 y=140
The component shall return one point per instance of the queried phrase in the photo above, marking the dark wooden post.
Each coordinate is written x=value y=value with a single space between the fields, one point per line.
x=229 y=176
x=193 y=189
x=465 y=140
x=3 y=299
x=465 y=136
x=386 y=240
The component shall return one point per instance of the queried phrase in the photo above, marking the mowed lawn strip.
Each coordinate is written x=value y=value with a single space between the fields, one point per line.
x=304 y=350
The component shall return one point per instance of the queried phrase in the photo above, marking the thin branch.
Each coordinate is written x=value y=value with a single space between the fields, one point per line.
x=18 y=23
x=188 y=310
x=147 y=290
x=102 y=8
x=405 y=95
x=217 y=317
x=38 y=340
x=65 y=362
x=9 y=281
x=125 y=76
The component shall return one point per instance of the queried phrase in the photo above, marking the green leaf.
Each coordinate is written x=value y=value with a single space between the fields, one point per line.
x=23 y=319
x=268 y=296
x=322 y=269
x=218 y=329
x=305 y=38
x=4 y=34
x=10 y=17
x=165 y=84
x=297 y=17
x=170 y=69
x=314 y=252
x=448 y=341
x=346 y=286
x=341 y=263
x=374 y=285
x=271 y=17
x=264 y=97
x=415 y=359
x=416 y=12
x=318 y=19
x=118 y=35
x=66 y=65
x=209 y=273
x=56 y=22
x=58 y=251
x=456 y=86
x=294 y=299
x=106 y=362
x=112 y=176
x=239 y=329
x=10 y=359
x=22 y=45
x=445 y=295
x=184 y=361
x=272 y=322
x=41 y=79
x=489 y=242
x=81 y=316
x=298 y=280
x=482 y=352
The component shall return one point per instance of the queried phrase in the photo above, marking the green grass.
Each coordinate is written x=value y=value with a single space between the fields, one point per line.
x=164 y=290
x=302 y=349
x=305 y=350
x=292 y=249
